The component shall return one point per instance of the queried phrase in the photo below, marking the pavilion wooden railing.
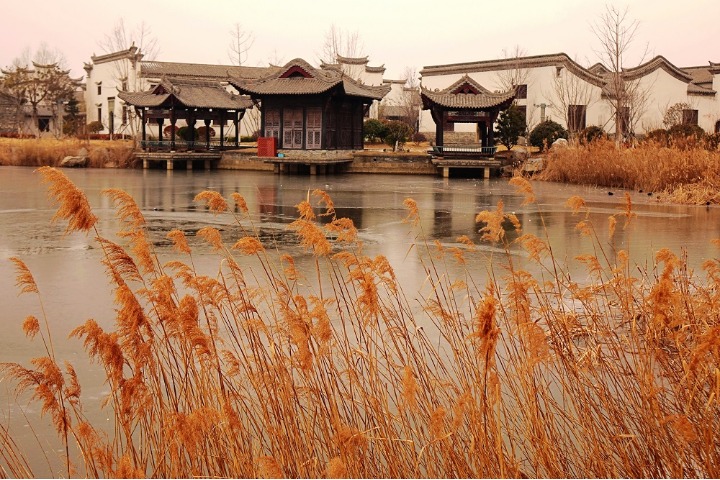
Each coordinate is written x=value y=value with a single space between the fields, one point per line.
x=184 y=145
x=461 y=151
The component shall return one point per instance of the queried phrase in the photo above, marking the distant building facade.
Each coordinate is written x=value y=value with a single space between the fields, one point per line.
x=549 y=87
x=555 y=87
x=127 y=71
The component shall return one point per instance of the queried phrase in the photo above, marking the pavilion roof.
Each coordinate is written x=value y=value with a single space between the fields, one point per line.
x=466 y=93
x=155 y=69
x=298 y=77
x=192 y=94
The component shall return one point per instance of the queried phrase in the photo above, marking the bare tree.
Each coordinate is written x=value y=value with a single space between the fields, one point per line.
x=276 y=59
x=37 y=80
x=340 y=42
x=126 y=71
x=515 y=74
x=675 y=114
x=121 y=38
x=411 y=101
x=627 y=97
x=240 y=43
x=574 y=96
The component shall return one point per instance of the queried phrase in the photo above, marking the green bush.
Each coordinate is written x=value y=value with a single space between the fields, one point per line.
x=545 y=133
x=683 y=130
x=592 y=133
x=185 y=134
x=374 y=130
x=397 y=132
x=95 y=126
x=659 y=136
x=712 y=141
x=510 y=125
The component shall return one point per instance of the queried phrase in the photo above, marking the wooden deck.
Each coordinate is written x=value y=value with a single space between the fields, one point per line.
x=171 y=158
x=319 y=162
x=447 y=157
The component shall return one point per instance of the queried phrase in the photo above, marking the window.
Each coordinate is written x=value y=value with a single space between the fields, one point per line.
x=313 y=127
x=44 y=124
x=272 y=123
x=292 y=124
x=690 y=117
x=521 y=91
x=99 y=88
x=124 y=114
x=576 y=117
x=99 y=111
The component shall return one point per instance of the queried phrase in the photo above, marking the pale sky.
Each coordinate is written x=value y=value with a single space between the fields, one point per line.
x=393 y=33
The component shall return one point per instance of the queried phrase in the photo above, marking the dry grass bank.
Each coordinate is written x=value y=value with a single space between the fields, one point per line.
x=255 y=372
x=682 y=175
x=49 y=152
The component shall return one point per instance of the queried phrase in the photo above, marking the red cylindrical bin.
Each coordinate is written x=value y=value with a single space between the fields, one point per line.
x=267 y=146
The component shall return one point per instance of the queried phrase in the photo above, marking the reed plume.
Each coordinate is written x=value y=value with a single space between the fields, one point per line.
x=72 y=203
x=280 y=365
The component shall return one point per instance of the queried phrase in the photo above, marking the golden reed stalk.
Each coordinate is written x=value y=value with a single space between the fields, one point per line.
x=269 y=369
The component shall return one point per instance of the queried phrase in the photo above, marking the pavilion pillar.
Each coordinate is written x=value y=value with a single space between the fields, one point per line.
x=143 y=120
x=240 y=117
x=439 y=129
x=173 y=120
x=222 y=129
x=482 y=126
x=236 y=122
x=191 y=125
x=207 y=133
x=160 y=122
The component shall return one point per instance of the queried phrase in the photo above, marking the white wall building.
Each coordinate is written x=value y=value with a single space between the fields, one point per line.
x=125 y=70
x=106 y=75
x=554 y=87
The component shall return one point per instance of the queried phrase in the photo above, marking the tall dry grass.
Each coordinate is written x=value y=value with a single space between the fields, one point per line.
x=681 y=173
x=37 y=152
x=267 y=370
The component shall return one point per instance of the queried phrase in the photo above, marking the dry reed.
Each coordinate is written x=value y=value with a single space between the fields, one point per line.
x=253 y=372
x=681 y=175
x=50 y=152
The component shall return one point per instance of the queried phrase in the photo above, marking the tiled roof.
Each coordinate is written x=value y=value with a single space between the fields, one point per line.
x=694 y=89
x=131 y=53
x=700 y=75
x=380 y=69
x=188 y=94
x=484 y=99
x=556 y=60
x=155 y=69
x=352 y=60
x=652 y=65
x=298 y=77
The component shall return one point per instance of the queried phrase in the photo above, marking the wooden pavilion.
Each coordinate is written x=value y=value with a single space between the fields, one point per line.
x=466 y=101
x=190 y=100
x=306 y=108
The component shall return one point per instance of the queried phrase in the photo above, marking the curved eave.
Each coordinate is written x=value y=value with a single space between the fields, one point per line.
x=144 y=99
x=654 y=64
x=467 y=101
x=354 y=89
x=168 y=100
x=278 y=88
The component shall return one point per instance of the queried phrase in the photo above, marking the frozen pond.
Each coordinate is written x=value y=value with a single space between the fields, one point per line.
x=74 y=287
